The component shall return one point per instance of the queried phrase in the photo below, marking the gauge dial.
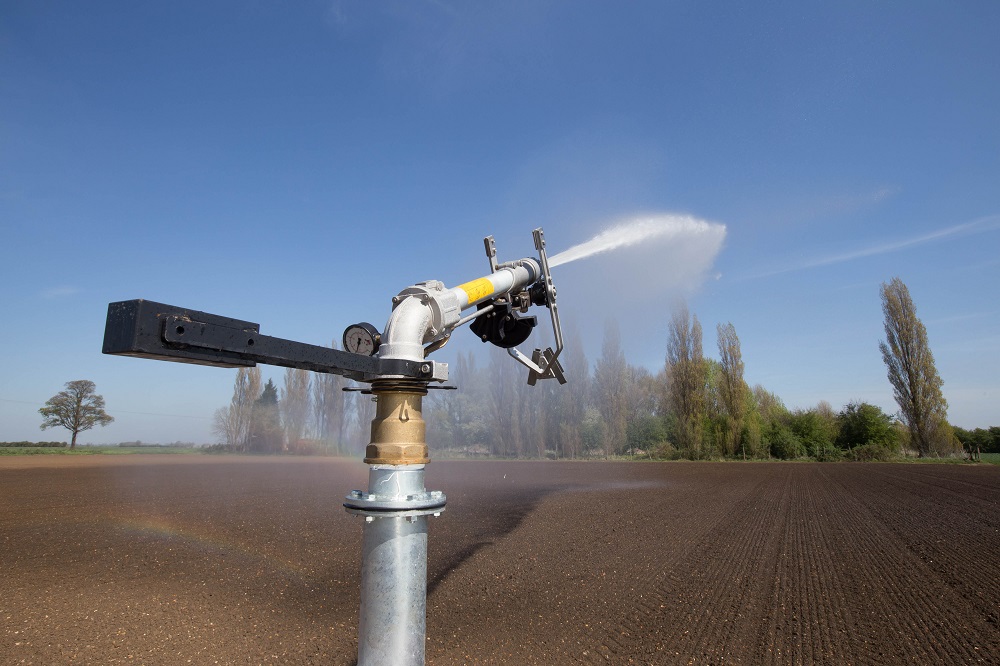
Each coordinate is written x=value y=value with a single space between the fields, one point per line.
x=362 y=339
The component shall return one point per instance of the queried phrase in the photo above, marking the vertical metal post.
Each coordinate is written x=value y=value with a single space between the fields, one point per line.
x=392 y=622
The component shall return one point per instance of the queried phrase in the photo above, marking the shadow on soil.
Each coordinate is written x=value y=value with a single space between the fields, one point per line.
x=494 y=526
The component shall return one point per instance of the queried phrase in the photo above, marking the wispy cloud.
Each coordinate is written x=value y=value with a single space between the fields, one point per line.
x=977 y=226
x=60 y=292
x=957 y=318
x=796 y=212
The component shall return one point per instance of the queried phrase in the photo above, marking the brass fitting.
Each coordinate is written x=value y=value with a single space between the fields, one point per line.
x=398 y=429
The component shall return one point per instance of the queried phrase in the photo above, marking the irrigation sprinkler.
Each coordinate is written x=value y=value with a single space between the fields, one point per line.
x=394 y=364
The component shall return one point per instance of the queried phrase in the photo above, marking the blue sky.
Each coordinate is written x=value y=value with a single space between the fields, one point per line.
x=297 y=164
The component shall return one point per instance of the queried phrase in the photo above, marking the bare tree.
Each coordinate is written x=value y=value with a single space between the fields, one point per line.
x=642 y=398
x=236 y=422
x=574 y=396
x=505 y=404
x=686 y=378
x=733 y=388
x=78 y=408
x=225 y=425
x=611 y=389
x=295 y=405
x=540 y=405
x=328 y=408
x=364 y=409
x=912 y=373
x=459 y=419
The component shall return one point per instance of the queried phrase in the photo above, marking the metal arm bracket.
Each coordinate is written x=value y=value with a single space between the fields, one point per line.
x=168 y=333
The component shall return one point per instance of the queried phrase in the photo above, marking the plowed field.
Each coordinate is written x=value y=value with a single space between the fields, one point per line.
x=228 y=560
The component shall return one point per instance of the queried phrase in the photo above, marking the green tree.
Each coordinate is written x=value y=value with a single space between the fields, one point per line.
x=767 y=423
x=78 y=408
x=686 y=379
x=645 y=431
x=733 y=389
x=912 y=373
x=784 y=443
x=980 y=440
x=861 y=424
x=816 y=429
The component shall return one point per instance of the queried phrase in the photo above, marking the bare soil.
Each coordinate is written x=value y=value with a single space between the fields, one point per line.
x=229 y=560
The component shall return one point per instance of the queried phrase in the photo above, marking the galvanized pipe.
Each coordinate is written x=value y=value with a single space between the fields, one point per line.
x=392 y=623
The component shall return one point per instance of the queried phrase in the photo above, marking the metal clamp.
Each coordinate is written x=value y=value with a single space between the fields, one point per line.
x=543 y=364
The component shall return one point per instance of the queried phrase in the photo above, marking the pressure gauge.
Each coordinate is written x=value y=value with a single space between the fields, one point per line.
x=362 y=339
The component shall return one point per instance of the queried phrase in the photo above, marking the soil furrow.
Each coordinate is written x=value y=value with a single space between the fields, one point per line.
x=246 y=560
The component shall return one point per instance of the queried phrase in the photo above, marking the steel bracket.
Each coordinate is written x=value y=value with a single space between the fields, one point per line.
x=147 y=329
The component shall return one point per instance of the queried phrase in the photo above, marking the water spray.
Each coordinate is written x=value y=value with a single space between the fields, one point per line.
x=638 y=230
x=392 y=622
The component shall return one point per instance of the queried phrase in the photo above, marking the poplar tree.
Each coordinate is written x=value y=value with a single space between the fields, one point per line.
x=911 y=370
x=686 y=378
x=295 y=405
x=733 y=388
x=611 y=389
x=233 y=423
x=328 y=408
x=574 y=396
x=246 y=390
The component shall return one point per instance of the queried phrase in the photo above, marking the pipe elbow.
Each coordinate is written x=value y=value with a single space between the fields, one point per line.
x=422 y=313
x=405 y=332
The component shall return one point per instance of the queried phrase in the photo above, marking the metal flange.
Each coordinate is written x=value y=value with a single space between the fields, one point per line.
x=416 y=504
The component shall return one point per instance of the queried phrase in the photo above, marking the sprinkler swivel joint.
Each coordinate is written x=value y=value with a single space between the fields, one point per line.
x=398 y=431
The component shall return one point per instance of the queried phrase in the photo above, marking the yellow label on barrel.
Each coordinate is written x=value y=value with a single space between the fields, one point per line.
x=477 y=289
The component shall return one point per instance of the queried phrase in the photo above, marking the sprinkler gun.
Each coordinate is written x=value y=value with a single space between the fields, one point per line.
x=425 y=315
x=391 y=624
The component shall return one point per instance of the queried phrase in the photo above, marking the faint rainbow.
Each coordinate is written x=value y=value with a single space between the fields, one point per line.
x=191 y=537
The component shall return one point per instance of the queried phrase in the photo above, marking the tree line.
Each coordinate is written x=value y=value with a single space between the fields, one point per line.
x=694 y=407
x=309 y=414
